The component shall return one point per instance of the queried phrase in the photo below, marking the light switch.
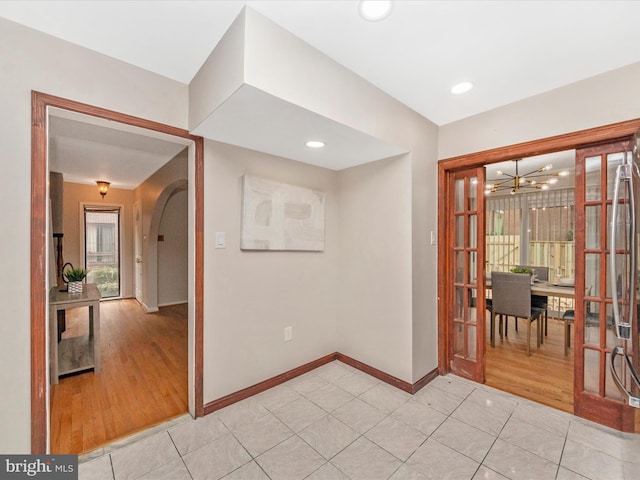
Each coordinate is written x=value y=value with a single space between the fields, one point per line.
x=433 y=237
x=221 y=240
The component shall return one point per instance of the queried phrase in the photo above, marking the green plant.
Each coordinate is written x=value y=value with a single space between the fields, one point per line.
x=75 y=274
x=522 y=270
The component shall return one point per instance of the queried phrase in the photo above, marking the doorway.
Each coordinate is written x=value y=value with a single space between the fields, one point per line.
x=41 y=103
x=102 y=248
x=531 y=228
x=585 y=402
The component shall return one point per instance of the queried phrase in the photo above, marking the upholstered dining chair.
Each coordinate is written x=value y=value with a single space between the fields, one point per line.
x=511 y=295
x=540 y=301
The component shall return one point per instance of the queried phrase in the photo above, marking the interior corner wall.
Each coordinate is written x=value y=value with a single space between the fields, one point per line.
x=601 y=100
x=34 y=61
x=282 y=65
x=152 y=195
x=173 y=258
x=375 y=317
x=74 y=195
x=251 y=296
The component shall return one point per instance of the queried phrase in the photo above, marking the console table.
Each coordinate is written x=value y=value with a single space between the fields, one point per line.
x=78 y=353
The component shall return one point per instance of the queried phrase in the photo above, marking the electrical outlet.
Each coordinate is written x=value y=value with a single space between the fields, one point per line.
x=288 y=333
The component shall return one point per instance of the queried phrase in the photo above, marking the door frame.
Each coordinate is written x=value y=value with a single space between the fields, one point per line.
x=38 y=290
x=446 y=167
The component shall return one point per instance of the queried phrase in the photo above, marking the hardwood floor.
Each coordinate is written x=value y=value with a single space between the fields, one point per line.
x=142 y=382
x=545 y=377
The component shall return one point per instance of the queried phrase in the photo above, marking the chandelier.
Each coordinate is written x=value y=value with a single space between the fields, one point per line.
x=538 y=179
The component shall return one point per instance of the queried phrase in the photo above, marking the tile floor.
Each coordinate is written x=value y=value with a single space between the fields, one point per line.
x=339 y=423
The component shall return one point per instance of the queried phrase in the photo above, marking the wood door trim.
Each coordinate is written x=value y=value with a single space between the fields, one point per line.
x=567 y=141
x=39 y=255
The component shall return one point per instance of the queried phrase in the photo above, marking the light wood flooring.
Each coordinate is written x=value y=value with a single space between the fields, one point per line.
x=545 y=377
x=142 y=381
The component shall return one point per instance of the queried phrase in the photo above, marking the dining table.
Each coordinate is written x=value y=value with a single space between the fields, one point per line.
x=547 y=288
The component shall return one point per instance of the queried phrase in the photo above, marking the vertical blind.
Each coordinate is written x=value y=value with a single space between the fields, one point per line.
x=534 y=229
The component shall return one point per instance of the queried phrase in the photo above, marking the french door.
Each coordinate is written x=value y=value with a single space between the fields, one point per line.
x=596 y=395
x=465 y=273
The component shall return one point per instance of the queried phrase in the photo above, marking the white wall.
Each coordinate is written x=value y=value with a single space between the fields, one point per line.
x=251 y=296
x=173 y=280
x=601 y=100
x=34 y=61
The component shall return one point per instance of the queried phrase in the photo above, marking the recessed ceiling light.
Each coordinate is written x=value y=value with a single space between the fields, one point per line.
x=314 y=144
x=462 y=87
x=375 y=10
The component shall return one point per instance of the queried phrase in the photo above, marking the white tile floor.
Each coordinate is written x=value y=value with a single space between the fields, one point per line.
x=339 y=423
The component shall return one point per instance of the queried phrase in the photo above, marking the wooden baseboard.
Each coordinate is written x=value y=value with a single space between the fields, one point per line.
x=266 y=385
x=374 y=372
x=286 y=376
x=170 y=304
x=425 y=380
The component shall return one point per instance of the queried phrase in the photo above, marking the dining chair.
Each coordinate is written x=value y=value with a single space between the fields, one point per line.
x=540 y=301
x=568 y=317
x=511 y=295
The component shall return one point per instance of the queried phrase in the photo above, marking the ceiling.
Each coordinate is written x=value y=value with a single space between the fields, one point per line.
x=509 y=50
x=86 y=149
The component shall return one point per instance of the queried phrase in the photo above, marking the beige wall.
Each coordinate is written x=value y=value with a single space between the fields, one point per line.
x=278 y=63
x=374 y=279
x=75 y=195
x=250 y=296
x=34 y=61
x=173 y=280
x=153 y=194
x=601 y=100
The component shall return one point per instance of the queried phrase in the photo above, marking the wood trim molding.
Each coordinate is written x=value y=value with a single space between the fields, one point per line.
x=567 y=141
x=374 y=372
x=424 y=381
x=307 y=367
x=39 y=103
x=266 y=384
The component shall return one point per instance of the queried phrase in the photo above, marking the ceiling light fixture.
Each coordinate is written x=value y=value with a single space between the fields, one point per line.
x=529 y=180
x=103 y=187
x=462 y=87
x=315 y=144
x=375 y=10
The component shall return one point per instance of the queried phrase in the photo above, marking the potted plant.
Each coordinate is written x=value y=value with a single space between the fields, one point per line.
x=74 y=278
x=524 y=270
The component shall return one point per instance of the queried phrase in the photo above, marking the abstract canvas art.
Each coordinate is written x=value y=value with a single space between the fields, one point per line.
x=278 y=216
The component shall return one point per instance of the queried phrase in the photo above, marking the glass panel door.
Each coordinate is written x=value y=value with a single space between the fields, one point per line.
x=466 y=275
x=596 y=395
x=102 y=249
